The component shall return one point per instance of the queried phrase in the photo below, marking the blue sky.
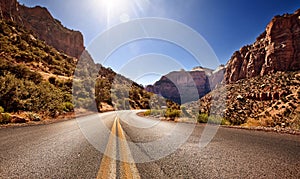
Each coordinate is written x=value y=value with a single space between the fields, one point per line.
x=226 y=25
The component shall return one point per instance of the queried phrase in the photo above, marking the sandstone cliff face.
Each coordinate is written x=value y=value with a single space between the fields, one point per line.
x=182 y=86
x=277 y=49
x=9 y=9
x=44 y=26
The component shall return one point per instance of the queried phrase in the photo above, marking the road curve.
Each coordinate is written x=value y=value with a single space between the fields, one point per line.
x=136 y=147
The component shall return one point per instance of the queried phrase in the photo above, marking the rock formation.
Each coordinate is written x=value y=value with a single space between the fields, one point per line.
x=44 y=26
x=217 y=77
x=182 y=86
x=276 y=49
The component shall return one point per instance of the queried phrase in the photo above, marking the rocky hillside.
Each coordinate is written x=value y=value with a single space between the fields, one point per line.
x=276 y=49
x=271 y=100
x=34 y=77
x=98 y=88
x=43 y=26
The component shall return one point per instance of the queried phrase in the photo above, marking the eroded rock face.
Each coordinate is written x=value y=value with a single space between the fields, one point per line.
x=44 y=26
x=277 y=49
x=182 y=86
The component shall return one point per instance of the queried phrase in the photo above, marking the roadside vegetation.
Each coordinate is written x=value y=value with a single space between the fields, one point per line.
x=171 y=111
x=212 y=119
x=38 y=82
x=23 y=88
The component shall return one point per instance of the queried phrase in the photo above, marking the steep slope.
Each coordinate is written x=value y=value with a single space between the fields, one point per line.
x=24 y=61
x=19 y=46
x=276 y=49
x=43 y=26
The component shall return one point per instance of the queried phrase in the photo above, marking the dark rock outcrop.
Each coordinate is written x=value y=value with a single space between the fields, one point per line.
x=276 y=49
x=44 y=26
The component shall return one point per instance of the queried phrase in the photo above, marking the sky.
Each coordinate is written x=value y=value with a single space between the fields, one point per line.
x=196 y=33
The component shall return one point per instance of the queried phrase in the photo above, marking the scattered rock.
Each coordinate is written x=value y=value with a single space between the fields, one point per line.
x=240 y=98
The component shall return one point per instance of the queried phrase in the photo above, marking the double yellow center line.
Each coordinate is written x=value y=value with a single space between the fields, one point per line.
x=117 y=146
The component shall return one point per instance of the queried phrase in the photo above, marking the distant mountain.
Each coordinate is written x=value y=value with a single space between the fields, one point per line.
x=207 y=71
x=186 y=86
x=182 y=86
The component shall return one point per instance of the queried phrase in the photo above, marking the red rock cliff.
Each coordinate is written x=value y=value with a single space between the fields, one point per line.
x=44 y=26
x=277 y=49
x=182 y=86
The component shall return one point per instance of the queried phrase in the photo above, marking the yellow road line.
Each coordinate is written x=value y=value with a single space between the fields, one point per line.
x=108 y=165
x=128 y=169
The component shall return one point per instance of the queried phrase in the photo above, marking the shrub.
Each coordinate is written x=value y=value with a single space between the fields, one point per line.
x=251 y=122
x=216 y=119
x=5 y=118
x=17 y=94
x=155 y=112
x=212 y=119
x=172 y=113
x=147 y=113
x=68 y=107
x=1 y=109
x=203 y=118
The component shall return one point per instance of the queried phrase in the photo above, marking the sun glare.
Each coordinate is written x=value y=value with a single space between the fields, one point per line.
x=115 y=5
x=117 y=11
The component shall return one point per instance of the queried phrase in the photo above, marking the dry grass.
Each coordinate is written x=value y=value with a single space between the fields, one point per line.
x=251 y=123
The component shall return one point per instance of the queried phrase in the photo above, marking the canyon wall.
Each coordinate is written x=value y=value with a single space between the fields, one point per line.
x=44 y=26
x=276 y=49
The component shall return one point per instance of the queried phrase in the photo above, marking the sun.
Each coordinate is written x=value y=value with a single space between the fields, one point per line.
x=120 y=10
x=116 y=10
x=115 y=5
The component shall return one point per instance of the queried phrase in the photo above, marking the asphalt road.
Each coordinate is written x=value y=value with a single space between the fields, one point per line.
x=136 y=147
